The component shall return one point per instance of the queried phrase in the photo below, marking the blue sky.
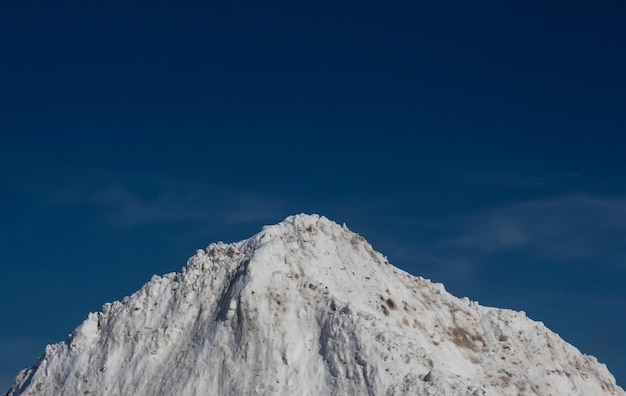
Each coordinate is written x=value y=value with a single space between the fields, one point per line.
x=478 y=144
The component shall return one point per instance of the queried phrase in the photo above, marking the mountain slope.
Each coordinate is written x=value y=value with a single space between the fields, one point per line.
x=306 y=307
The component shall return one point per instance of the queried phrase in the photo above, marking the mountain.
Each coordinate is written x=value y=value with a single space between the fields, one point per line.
x=307 y=307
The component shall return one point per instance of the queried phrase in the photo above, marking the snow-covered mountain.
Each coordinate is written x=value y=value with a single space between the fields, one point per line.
x=307 y=307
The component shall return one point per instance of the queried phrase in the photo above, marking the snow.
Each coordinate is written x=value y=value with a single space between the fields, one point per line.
x=307 y=307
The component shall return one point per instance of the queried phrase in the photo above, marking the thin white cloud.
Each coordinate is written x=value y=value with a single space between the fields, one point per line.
x=558 y=229
x=515 y=180
x=140 y=201
x=553 y=231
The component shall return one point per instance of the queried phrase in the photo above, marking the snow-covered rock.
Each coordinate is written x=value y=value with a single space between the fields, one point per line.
x=307 y=307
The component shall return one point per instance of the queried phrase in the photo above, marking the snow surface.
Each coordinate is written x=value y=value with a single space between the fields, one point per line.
x=307 y=307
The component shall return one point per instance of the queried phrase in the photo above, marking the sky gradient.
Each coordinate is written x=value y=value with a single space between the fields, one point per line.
x=479 y=145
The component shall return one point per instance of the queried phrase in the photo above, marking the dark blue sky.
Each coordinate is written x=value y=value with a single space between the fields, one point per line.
x=479 y=144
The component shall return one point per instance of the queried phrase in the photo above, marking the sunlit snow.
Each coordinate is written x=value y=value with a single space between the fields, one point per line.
x=307 y=307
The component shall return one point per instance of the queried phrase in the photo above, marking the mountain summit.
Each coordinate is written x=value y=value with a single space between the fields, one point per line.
x=307 y=307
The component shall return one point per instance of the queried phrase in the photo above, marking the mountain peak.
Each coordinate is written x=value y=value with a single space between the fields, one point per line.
x=303 y=221
x=297 y=226
x=308 y=307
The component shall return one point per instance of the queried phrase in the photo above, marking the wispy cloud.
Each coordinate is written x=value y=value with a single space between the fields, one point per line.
x=133 y=202
x=558 y=229
x=515 y=180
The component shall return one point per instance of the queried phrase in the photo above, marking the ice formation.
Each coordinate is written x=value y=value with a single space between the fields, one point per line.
x=307 y=307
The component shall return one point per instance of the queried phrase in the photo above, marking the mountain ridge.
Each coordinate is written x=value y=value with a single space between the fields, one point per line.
x=307 y=307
